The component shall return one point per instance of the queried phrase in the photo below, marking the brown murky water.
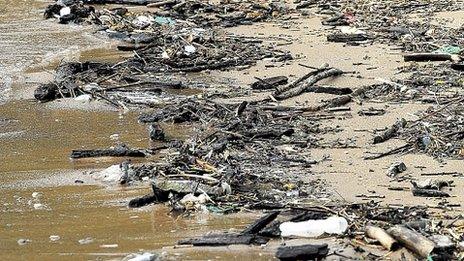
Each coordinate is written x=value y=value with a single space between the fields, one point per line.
x=35 y=142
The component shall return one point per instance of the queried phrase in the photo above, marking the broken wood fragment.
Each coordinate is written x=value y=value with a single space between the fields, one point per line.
x=302 y=252
x=269 y=83
x=119 y=151
x=389 y=152
x=383 y=237
x=224 y=240
x=412 y=240
x=330 y=90
x=259 y=224
x=390 y=132
x=429 y=193
x=306 y=84
x=345 y=38
x=425 y=57
x=142 y=201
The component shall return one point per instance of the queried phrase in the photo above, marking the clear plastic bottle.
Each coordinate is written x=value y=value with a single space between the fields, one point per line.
x=314 y=228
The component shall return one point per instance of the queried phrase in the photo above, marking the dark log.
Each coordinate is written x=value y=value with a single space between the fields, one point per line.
x=390 y=132
x=306 y=84
x=269 y=133
x=429 y=193
x=303 y=252
x=224 y=240
x=457 y=66
x=269 y=83
x=142 y=201
x=337 y=102
x=425 y=57
x=343 y=38
x=330 y=90
x=120 y=151
x=259 y=224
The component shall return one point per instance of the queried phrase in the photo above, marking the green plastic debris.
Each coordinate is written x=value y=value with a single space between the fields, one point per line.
x=164 y=20
x=449 y=49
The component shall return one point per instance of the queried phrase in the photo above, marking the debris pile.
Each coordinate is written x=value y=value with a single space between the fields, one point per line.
x=368 y=226
x=237 y=153
x=225 y=13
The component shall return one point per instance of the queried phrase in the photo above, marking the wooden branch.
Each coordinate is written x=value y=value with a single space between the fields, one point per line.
x=412 y=240
x=390 y=132
x=259 y=224
x=309 y=82
x=425 y=57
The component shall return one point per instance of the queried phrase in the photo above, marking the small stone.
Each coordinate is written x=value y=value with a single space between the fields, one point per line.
x=39 y=206
x=85 y=241
x=23 y=241
x=54 y=238
x=36 y=194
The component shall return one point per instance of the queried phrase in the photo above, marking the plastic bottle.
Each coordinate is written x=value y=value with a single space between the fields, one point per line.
x=314 y=228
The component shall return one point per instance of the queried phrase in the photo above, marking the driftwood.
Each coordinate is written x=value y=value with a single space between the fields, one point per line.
x=344 y=38
x=269 y=133
x=120 y=151
x=383 y=237
x=284 y=88
x=389 y=152
x=303 y=252
x=425 y=57
x=259 y=224
x=142 y=201
x=269 y=83
x=390 y=132
x=412 y=240
x=330 y=90
x=306 y=84
x=457 y=66
x=337 y=101
x=225 y=240
x=429 y=193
